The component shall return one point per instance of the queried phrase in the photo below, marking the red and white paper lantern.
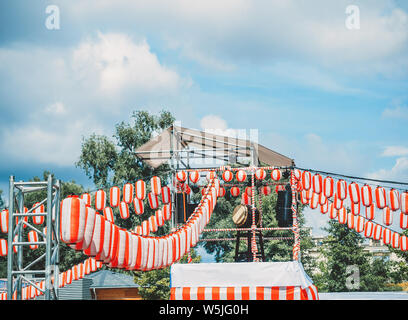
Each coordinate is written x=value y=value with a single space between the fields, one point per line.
x=153 y=200
x=276 y=174
x=241 y=175
x=341 y=189
x=380 y=197
x=100 y=199
x=166 y=194
x=328 y=187
x=194 y=176
x=140 y=189
x=124 y=210
x=138 y=206
x=114 y=196
x=128 y=193
x=366 y=195
x=155 y=184
x=387 y=216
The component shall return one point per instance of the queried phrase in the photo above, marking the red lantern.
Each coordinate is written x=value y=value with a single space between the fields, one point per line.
x=235 y=191
x=369 y=211
x=351 y=220
x=114 y=197
x=156 y=185
x=4 y=218
x=38 y=220
x=338 y=203
x=387 y=216
x=3 y=247
x=260 y=174
x=227 y=176
x=276 y=174
x=341 y=189
x=342 y=215
x=128 y=193
x=140 y=189
x=33 y=237
x=328 y=187
x=404 y=202
x=124 y=210
x=166 y=194
x=403 y=221
x=314 y=201
x=317 y=182
x=394 y=200
x=354 y=191
x=386 y=236
x=153 y=200
x=324 y=208
x=241 y=175
x=139 y=206
x=194 y=176
x=100 y=199
x=355 y=208
x=380 y=197
x=366 y=195
x=181 y=176
x=368 y=229
x=395 y=240
x=306 y=180
x=359 y=224
x=377 y=232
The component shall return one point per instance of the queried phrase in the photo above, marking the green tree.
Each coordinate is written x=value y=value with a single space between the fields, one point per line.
x=111 y=161
x=343 y=248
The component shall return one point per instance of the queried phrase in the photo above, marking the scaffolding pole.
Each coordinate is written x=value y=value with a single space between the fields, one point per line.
x=17 y=268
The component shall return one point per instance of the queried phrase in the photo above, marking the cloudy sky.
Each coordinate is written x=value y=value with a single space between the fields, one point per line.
x=332 y=97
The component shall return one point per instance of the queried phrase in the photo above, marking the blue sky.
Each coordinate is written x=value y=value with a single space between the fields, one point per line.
x=332 y=98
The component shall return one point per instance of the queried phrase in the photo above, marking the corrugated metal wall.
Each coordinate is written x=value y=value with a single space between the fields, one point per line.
x=77 y=290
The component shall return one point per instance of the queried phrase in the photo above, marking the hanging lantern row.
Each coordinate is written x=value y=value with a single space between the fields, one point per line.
x=120 y=248
x=228 y=175
x=77 y=272
x=311 y=186
x=37 y=220
x=369 y=228
x=131 y=194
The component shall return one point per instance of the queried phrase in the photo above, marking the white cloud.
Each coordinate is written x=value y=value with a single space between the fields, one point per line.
x=216 y=125
x=43 y=145
x=257 y=31
x=75 y=91
x=395 y=151
x=398 y=112
x=56 y=108
x=398 y=172
x=116 y=63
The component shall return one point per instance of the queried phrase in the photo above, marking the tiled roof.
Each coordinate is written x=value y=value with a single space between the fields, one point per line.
x=109 y=279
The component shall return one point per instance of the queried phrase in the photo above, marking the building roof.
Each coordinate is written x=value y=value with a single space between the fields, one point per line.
x=156 y=151
x=109 y=279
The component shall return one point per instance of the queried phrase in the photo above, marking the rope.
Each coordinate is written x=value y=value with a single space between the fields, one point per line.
x=296 y=245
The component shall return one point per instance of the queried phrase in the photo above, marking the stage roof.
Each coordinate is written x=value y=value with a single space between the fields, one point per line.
x=156 y=151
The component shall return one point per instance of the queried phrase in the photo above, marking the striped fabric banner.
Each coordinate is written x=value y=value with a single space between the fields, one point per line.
x=244 y=293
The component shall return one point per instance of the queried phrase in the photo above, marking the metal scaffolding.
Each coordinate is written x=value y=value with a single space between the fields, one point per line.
x=19 y=272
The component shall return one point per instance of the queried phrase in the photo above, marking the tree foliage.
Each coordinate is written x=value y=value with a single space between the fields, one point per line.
x=342 y=249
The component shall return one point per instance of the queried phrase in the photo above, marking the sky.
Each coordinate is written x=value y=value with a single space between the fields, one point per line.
x=322 y=82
